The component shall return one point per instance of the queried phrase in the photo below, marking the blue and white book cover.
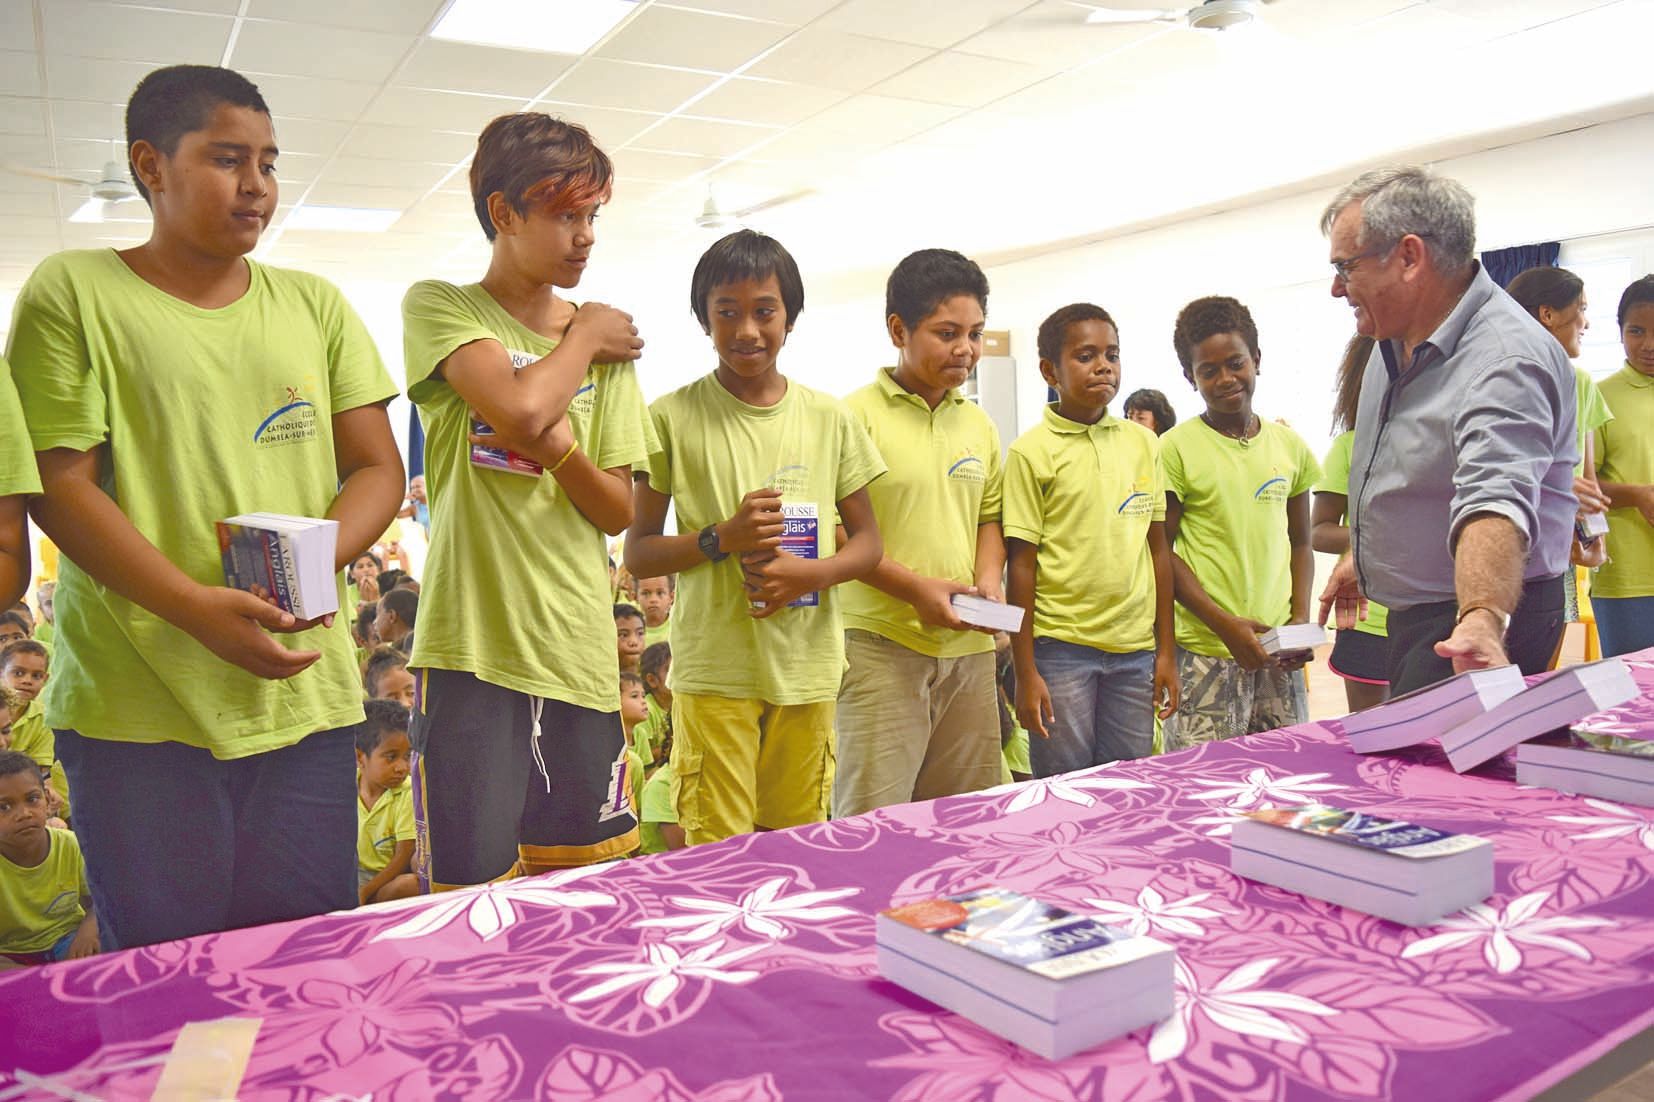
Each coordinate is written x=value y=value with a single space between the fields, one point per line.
x=1357 y=828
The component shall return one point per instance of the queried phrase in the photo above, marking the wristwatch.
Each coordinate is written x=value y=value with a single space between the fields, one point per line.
x=708 y=541
x=1502 y=617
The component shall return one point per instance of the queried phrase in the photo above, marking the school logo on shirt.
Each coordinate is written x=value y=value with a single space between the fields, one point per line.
x=585 y=398
x=1136 y=503
x=792 y=480
x=967 y=466
x=1272 y=491
x=291 y=421
x=62 y=904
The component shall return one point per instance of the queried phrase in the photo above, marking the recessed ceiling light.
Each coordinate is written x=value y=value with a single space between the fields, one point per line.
x=561 y=27
x=347 y=219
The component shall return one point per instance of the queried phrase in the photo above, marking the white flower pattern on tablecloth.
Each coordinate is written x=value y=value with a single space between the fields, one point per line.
x=764 y=911
x=1614 y=822
x=1074 y=788
x=1154 y=913
x=1503 y=931
x=1259 y=788
x=491 y=910
x=665 y=971
x=1234 y=1003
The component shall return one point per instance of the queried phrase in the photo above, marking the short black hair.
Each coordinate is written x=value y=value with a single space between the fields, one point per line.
x=625 y=611
x=1207 y=317
x=23 y=646
x=12 y=616
x=1636 y=293
x=403 y=602
x=381 y=719
x=627 y=676
x=1054 y=329
x=171 y=102
x=381 y=661
x=389 y=578
x=15 y=761
x=1155 y=404
x=1557 y=288
x=656 y=657
x=742 y=255
x=926 y=279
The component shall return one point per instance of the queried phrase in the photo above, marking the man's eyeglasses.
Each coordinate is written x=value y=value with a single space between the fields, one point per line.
x=1343 y=268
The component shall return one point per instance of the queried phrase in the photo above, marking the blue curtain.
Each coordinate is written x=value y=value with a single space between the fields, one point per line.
x=416 y=443
x=1504 y=265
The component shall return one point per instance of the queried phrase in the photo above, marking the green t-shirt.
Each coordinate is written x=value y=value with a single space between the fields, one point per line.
x=39 y=906
x=1625 y=453
x=205 y=414
x=516 y=586
x=1335 y=479
x=715 y=449
x=1593 y=412
x=944 y=481
x=656 y=808
x=1233 y=534
x=660 y=633
x=17 y=469
x=1085 y=495
x=379 y=828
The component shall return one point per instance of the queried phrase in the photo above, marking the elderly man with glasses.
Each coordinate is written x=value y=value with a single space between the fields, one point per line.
x=1461 y=479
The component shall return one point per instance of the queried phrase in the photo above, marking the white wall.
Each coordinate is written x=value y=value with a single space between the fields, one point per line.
x=1591 y=184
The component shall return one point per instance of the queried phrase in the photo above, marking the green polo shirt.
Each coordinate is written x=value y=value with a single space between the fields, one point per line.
x=1625 y=453
x=1085 y=495
x=944 y=482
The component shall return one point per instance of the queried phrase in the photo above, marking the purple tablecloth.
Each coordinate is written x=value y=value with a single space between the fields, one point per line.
x=744 y=971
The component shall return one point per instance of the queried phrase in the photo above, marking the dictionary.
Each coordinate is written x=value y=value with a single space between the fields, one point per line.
x=1429 y=712
x=1401 y=871
x=1048 y=979
x=1291 y=637
x=983 y=613
x=1589 y=762
x=1557 y=701
x=289 y=560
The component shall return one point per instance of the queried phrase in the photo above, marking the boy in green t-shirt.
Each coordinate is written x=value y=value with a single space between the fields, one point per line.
x=1237 y=515
x=1089 y=559
x=533 y=422
x=754 y=466
x=628 y=637
x=384 y=805
x=654 y=600
x=1622 y=592
x=18 y=479
x=917 y=711
x=45 y=908
x=653 y=736
x=167 y=387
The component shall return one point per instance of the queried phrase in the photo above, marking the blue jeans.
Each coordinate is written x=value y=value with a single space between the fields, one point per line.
x=1104 y=704
x=1624 y=624
x=178 y=843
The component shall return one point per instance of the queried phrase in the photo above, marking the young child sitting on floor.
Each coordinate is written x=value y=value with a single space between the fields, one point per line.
x=633 y=711
x=384 y=805
x=650 y=736
x=629 y=627
x=654 y=600
x=45 y=906
x=23 y=670
x=385 y=676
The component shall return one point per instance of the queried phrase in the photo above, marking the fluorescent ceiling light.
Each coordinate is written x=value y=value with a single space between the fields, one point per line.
x=548 y=26
x=348 y=219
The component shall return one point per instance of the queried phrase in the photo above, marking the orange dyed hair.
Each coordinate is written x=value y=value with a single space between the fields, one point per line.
x=536 y=161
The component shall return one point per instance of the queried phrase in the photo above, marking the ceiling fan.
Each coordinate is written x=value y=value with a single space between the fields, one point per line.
x=713 y=217
x=112 y=188
x=1208 y=15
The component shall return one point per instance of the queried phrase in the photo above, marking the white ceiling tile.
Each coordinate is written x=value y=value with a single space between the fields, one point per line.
x=463 y=67
x=370 y=172
x=19 y=75
x=75 y=119
x=778 y=103
x=131 y=34
x=296 y=169
x=411 y=143
x=103 y=80
x=439 y=214
x=22 y=116
x=313 y=97
x=664 y=36
x=307 y=51
x=395 y=16
x=960 y=79
x=834 y=60
x=710 y=139
x=643 y=165
x=219 y=7
x=814 y=144
x=793 y=12
x=604 y=83
x=444 y=110
x=353 y=195
x=16 y=23
x=921 y=22
x=611 y=129
x=314 y=137
x=76 y=156
x=883 y=117
x=28 y=204
x=1054 y=35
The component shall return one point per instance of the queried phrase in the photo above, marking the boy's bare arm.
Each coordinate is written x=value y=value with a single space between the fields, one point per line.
x=1167 y=692
x=756 y=526
x=523 y=404
x=14 y=549
x=990 y=559
x=87 y=939
x=1327 y=531
x=1033 y=701
x=603 y=496
x=92 y=532
x=1303 y=555
x=371 y=479
x=1240 y=636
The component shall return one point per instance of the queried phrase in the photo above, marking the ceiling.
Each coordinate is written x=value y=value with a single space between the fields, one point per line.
x=984 y=124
